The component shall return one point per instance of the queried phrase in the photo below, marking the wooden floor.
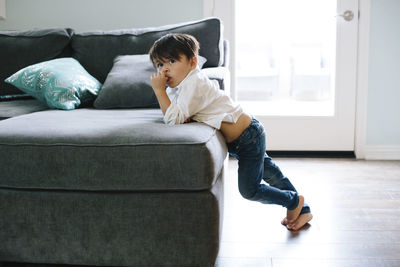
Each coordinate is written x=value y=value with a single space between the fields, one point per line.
x=356 y=208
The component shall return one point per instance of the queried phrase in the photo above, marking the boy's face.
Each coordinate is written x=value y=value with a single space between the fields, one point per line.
x=176 y=70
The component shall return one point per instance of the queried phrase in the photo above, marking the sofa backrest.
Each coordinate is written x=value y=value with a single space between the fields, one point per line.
x=96 y=50
x=19 y=49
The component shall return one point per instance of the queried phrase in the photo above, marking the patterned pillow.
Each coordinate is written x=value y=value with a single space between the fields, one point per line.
x=60 y=83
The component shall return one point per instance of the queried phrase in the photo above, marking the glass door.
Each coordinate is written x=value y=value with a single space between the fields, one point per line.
x=296 y=70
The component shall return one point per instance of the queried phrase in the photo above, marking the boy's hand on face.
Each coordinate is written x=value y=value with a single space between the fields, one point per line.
x=158 y=81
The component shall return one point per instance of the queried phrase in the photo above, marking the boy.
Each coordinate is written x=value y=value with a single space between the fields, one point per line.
x=190 y=95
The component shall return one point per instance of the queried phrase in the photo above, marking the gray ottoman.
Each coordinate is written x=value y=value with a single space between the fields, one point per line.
x=110 y=187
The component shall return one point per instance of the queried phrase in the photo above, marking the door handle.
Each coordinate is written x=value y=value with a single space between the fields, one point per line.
x=348 y=15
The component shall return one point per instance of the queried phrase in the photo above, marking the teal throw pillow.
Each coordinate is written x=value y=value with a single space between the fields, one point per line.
x=60 y=83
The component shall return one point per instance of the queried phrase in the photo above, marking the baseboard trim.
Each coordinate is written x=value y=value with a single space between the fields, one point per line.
x=311 y=154
x=382 y=152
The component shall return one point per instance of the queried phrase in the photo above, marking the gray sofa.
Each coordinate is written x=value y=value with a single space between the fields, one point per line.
x=107 y=187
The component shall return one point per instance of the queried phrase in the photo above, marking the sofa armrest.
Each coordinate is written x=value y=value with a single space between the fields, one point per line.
x=226 y=53
x=220 y=74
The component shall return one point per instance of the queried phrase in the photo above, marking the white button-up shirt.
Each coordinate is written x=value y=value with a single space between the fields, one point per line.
x=199 y=98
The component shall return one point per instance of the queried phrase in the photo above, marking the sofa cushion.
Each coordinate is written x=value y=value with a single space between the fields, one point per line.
x=9 y=109
x=19 y=49
x=96 y=50
x=60 y=83
x=128 y=84
x=88 y=149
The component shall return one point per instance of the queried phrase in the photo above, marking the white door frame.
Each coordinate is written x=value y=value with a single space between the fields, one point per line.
x=225 y=10
x=362 y=78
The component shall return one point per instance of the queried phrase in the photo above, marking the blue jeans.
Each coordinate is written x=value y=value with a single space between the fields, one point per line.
x=255 y=165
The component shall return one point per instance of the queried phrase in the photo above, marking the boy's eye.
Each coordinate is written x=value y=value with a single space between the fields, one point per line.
x=159 y=65
x=171 y=61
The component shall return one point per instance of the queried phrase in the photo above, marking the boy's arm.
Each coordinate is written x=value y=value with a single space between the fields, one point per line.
x=163 y=100
x=191 y=100
x=158 y=82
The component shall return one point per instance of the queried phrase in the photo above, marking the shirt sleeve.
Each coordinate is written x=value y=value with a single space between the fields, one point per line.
x=192 y=98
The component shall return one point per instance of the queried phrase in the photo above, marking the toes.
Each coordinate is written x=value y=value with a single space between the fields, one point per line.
x=300 y=222
x=285 y=221
x=292 y=227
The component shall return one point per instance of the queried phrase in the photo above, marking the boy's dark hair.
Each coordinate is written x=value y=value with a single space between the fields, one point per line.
x=172 y=46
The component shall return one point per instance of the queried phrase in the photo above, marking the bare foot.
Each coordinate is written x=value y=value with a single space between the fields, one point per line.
x=291 y=215
x=284 y=221
x=302 y=220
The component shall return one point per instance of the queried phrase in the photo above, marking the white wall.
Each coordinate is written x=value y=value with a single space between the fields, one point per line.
x=84 y=15
x=383 y=117
x=383 y=109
